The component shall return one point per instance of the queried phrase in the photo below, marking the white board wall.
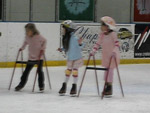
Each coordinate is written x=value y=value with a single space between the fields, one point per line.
x=13 y=35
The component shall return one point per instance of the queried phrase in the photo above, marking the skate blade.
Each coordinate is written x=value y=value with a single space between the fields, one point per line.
x=38 y=92
x=73 y=95
x=17 y=90
x=61 y=94
x=107 y=96
x=41 y=91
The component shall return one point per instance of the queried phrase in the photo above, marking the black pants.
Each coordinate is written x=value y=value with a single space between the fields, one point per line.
x=28 y=68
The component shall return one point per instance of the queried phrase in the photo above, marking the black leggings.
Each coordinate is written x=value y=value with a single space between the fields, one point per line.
x=28 y=68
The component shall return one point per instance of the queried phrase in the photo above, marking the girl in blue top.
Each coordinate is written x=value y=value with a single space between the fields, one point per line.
x=72 y=47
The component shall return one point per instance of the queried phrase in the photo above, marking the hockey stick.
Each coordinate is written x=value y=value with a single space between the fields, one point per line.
x=47 y=72
x=13 y=71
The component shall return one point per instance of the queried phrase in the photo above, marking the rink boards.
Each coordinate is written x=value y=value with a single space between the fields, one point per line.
x=13 y=36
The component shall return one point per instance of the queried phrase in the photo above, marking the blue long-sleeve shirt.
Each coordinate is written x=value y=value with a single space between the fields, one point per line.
x=74 y=52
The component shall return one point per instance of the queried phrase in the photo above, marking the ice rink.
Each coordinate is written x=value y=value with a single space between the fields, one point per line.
x=135 y=79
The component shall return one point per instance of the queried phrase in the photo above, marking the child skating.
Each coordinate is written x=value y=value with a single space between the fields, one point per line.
x=110 y=47
x=36 y=48
x=72 y=47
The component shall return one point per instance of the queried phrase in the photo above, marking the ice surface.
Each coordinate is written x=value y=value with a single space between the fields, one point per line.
x=136 y=84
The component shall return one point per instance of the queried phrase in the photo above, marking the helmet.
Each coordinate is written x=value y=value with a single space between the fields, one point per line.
x=68 y=24
x=109 y=21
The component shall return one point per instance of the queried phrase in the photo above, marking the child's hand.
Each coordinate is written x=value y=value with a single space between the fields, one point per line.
x=92 y=53
x=113 y=53
x=41 y=53
x=20 y=49
x=59 y=49
x=80 y=41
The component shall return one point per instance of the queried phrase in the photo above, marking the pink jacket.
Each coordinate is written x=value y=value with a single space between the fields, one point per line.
x=36 y=44
x=109 y=45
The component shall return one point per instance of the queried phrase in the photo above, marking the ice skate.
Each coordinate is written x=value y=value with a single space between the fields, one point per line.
x=73 y=91
x=63 y=89
x=42 y=89
x=18 y=88
x=108 y=90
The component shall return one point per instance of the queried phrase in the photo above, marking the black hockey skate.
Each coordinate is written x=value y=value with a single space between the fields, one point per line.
x=108 y=90
x=18 y=88
x=63 y=89
x=73 y=91
x=42 y=88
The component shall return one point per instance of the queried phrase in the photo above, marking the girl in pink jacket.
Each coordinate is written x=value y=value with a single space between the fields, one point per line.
x=110 y=47
x=36 y=47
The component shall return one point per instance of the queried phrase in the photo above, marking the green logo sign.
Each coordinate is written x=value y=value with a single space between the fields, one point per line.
x=76 y=10
x=77 y=6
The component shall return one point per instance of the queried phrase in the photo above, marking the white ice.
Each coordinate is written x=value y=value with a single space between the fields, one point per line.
x=136 y=85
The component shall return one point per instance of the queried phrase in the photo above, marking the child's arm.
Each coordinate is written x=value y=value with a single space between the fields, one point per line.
x=97 y=45
x=116 y=42
x=81 y=44
x=24 y=45
x=43 y=47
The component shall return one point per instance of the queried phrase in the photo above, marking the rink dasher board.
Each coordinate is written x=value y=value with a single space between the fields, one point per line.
x=63 y=62
x=13 y=36
x=90 y=32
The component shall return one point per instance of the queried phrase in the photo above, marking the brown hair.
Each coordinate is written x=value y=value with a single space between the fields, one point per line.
x=33 y=28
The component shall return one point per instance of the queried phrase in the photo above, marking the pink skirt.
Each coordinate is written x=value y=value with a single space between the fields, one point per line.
x=75 y=64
